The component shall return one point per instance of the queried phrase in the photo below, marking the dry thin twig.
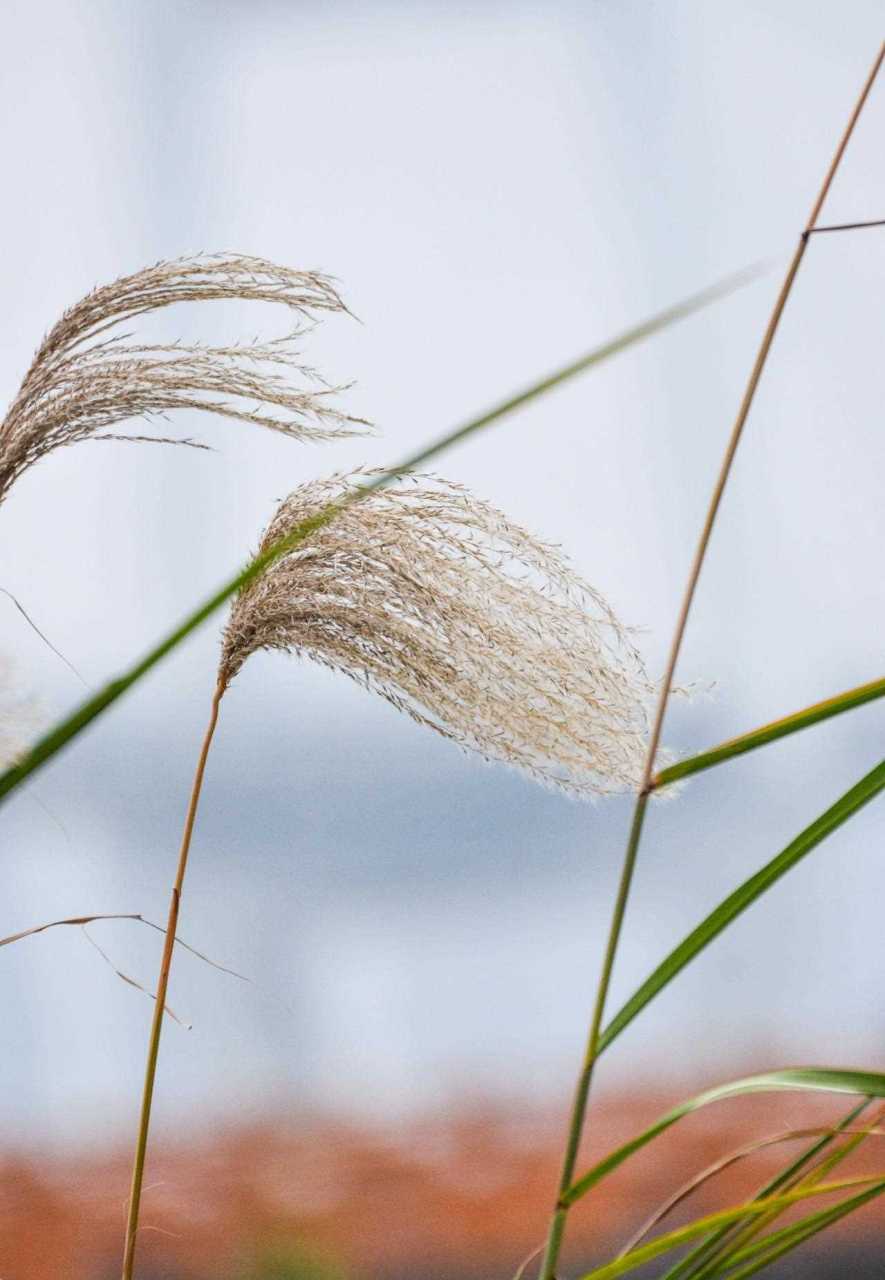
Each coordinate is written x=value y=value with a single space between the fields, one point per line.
x=117 y=915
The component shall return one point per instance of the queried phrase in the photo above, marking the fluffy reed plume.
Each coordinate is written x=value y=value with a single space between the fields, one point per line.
x=433 y=599
x=86 y=379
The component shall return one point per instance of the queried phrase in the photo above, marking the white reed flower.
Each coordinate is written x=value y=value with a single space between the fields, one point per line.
x=432 y=598
x=85 y=378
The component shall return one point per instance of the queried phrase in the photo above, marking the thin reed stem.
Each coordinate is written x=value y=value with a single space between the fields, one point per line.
x=162 y=986
x=582 y=1093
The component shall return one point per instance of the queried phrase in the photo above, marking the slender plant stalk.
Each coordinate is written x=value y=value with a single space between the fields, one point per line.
x=162 y=987
x=582 y=1093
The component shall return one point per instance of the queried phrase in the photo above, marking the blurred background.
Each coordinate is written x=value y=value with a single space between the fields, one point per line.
x=497 y=187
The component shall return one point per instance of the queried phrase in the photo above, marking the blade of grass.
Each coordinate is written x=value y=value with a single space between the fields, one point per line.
x=742 y=1235
x=694 y=1265
x=791 y=1079
x=770 y=732
x=743 y=897
x=558 y=1218
x=68 y=728
x=675 y=1239
x=727 y=1162
x=772 y=1247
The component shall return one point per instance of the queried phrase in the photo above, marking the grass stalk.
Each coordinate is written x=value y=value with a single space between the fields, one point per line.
x=162 y=987
x=582 y=1093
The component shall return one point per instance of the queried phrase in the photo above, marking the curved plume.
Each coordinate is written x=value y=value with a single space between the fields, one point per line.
x=86 y=378
x=432 y=598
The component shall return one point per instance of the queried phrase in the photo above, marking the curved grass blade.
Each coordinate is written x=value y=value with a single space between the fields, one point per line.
x=736 y=903
x=705 y=1256
x=727 y=1162
x=62 y=733
x=814 y=1079
x=814 y=714
x=742 y=1235
x=675 y=1239
x=770 y=1248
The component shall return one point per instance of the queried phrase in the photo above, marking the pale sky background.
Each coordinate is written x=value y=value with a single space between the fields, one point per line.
x=497 y=187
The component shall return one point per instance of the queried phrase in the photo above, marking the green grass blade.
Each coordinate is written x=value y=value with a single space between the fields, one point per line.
x=702 y=1261
x=67 y=729
x=683 y=1235
x=789 y=1178
x=814 y=1079
x=719 y=919
x=767 y=1250
x=771 y=732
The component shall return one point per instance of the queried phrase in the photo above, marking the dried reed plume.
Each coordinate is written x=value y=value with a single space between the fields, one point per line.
x=433 y=599
x=83 y=382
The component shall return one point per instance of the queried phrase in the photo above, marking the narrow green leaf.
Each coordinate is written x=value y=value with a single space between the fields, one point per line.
x=771 y=732
x=815 y=1079
x=791 y=1177
x=719 y=919
x=62 y=733
x=674 y=1239
x=774 y=1246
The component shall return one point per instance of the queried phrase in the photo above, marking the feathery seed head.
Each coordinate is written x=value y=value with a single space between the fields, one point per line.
x=87 y=378
x=433 y=599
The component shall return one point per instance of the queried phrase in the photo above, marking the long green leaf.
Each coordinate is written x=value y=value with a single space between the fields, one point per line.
x=815 y=1079
x=683 y=1235
x=62 y=733
x=771 y=732
x=719 y=919
x=770 y=1248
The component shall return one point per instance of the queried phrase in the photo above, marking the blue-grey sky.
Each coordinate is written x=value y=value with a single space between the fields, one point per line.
x=497 y=187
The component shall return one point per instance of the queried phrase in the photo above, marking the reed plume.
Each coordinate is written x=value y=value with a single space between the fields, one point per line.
x=435 y=600
x=88 y=377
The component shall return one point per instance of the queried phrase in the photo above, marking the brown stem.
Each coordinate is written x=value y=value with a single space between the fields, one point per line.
x=582 y=1092
x=162 y=986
